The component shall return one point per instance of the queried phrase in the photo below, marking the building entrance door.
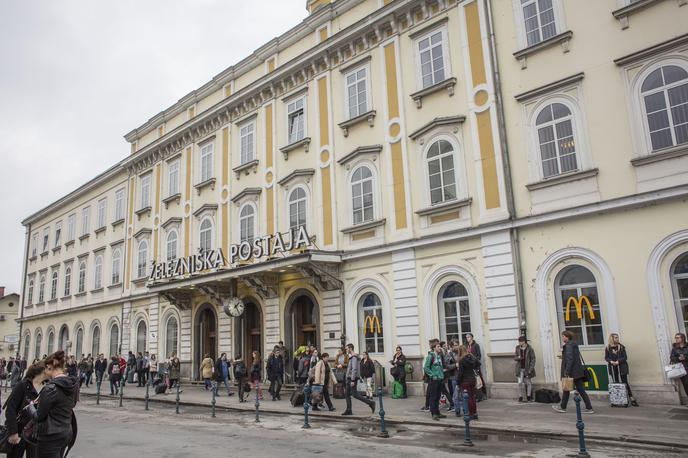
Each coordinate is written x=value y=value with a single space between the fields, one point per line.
x=302 y=324
x=249 y=335
x=206 y=337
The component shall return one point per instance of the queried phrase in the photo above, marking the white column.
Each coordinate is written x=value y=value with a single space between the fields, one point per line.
x=331 y=320
x=272 y=324
x=186 y=335
x=405 y=301
x=126 y=331
x=153 y=318
x=225 y=333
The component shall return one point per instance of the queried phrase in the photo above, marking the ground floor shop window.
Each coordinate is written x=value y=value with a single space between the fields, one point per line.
x=454 y=312
x=578 y=305
x=370 y=320
x=680 y=274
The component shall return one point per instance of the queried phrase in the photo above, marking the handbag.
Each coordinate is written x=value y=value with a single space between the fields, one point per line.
x=478 y=381
x=674 y=371
x=567 y=383
x=316 y=394
x=361 y=386
x=5 y=446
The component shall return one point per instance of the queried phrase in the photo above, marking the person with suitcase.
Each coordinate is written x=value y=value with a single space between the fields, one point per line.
x=617 y=363
x=398 y=370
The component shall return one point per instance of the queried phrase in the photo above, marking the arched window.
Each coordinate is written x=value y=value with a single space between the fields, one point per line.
x=454 y=312
x=68 y=281
x=30 y=291
x=665 y=101
x=142 y=259
x=370 y=323
x=247 y=217
x=51 y=342
x=27 y=342
x=116 y=266
x=53 y=285
x=579 y=305
x=78 y=351
x=556 y=140
x=141 y=336
x=441 y=174
x=63 y=338
x=362 y=195
x=95 y=341
x=680 y=274
x=82 y=277
x=39 y=342
x=206 y=235
x=41 y=289
x=171 y=335
x=172 y=245
x=297 y=209
x=114 y=339
x=98 y=272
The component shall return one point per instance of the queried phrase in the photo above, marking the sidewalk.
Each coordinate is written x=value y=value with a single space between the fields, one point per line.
x=649 y=424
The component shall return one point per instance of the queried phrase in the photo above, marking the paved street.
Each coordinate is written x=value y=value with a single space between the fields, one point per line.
x=106 y=431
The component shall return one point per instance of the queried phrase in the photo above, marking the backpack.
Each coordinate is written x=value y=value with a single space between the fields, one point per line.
x=397 y=390
x=115 y=369
x=240 y=370
x=408 y=368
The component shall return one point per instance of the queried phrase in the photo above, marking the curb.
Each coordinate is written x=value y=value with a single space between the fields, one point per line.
x=596 y=439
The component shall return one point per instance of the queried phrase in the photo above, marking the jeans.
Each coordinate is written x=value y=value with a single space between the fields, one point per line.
x=352 y=392
x=88 y=378
x=114 y=386
x=325 y=397
x=369 y=386
x=99 y=376
x=525 y=385
x=241 y=381
x=434 y=392
x=227 y=386
x=684 y=381
x=581 y=390
x=275 y=387
x=208 y=385
x=444 y=391
x=51 y=449
x=456 y=396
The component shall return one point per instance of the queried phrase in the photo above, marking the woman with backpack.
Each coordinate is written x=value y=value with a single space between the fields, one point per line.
x=257 y=374
x=367 y=373
x=617 y=364
x=240 y=375
x=114 y=375
x=22 y=394
x=398 y=370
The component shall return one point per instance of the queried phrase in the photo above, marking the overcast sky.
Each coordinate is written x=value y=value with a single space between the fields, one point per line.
x=75 y=76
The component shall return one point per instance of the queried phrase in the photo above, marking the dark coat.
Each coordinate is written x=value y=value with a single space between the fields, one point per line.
x=571 y=361
x=451 y=370
x=616 y=354
x=54 y=415
x=22 y=393
x=367 y=368
x=399 y=366
x=256 y=371
x=218 y=370
x=101 y=366
x=474 y=349
x=530 y=361
x=239 y=370
x=275 y=367
x=114 y=377
x=676 y=353
x=467 y=368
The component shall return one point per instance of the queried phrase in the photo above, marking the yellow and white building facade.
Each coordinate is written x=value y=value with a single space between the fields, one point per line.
x=374 y=176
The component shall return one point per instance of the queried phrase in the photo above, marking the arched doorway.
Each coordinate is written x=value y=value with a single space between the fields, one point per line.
x=205 y=332
x=249 y=331
x=302 y=321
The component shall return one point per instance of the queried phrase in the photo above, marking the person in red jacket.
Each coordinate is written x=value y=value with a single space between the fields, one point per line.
x=122 y=367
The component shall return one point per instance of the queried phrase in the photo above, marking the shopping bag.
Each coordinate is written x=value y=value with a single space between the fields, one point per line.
x=673 y=371
x=567 y=383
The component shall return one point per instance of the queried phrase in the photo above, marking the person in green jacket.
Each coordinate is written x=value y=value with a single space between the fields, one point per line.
x=434 y=372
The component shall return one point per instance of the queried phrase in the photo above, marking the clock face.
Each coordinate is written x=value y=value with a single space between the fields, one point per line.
x=234 y=306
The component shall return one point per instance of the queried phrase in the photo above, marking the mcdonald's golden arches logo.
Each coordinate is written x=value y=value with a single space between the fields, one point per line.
x=372 y=321
x=578 y=303
x=593 y=378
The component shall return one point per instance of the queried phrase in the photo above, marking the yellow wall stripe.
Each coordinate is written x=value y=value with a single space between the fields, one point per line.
x=132 y=187
x=225 y=230
x=187 y=196
x=323 y=112
x=270 y=210
x=268 y=138
x=186 y=236
x=129 y=258
x=475 y=44
x=487 y=156
x=324 y=120
x=225 y=155
x=327 y=205
x=391 y=70
x=158 y=184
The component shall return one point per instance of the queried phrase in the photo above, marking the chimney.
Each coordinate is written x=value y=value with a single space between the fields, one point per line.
x=2 y=292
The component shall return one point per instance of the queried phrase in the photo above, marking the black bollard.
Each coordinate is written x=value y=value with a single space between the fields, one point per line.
x=212 y=403
x=176 y=409
x=98 y=382
x=467 y=421
x=121 y=391
x=257 y=401
x=306 y=401
x=582 y=452
x=383 y=430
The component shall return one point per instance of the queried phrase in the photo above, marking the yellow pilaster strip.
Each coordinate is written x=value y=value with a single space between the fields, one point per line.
x=187 y=196
x=225 y=180
x=324 y=120
x=475 y=44
x=270 y=204
x=268 y=136
x=323 y=112
x=327 y=204
x=132 y=187
x=158 y=183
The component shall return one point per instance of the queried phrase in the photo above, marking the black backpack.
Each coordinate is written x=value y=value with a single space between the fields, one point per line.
x=546 y=396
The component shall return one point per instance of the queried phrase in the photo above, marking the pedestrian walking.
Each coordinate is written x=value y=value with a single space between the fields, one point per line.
x=453 y=372
x=222 y=374
x=82 y=368
x=174 y=368
x=22 y=394
x=256 y=375
x=474 y=349
x=367 y=374
x=679 y=354
x=303 y=367
x=322 y=377
x=524 y=355
x=131 y=367
x=15 y=373
x=467 y=376
x=114 y=375
x=275 y=371
x=153 y=366
x=352 y=377
x=100 y=366
x=207 y=371
x=434 y=373
x=240 y=373
x=398 y=370
x=284 y=354
x=89 y=369
x=617 y=364
x=573 y=373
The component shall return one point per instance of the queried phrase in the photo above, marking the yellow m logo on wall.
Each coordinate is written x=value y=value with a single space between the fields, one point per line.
x=371 y=321
x=578 y=303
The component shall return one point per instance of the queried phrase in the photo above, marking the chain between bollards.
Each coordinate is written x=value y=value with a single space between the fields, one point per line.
x=147 y=397
x=98 y=382
x=467 y=421
x=213 y=401
x=176 y=409
x=257 y=387
x=121 y=390
x=383 y=430
x=306 y=402
x=582 y=452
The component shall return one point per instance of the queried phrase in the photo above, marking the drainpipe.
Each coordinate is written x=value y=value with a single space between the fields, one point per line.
x=511 y=207
x=23 y=287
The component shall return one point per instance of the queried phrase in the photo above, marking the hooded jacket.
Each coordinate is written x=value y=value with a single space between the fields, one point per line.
x=467 y=367
x=55 y=405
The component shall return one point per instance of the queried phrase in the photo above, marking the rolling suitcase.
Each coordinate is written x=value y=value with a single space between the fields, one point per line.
x=339 y=391
x=618 y=394
x=297 y=397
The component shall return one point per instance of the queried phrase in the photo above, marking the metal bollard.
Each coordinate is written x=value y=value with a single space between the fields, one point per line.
x=176 y=408
x=383 y=430
x=147 y=397
x=257 y=386
x=121 y=391
x=98 y=382
x=467 y=421
x=306 y=401
x=582 y=452
x=212 y=403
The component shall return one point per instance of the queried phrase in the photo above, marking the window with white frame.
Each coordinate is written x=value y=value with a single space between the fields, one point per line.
x=206 y=162
x=144 y=191
x=68 y=281
x=98 y=272
x=206 y=235
x=58 y=233
x=247 y=216
x=63 y=338
x=297 y=209
x=119 y=204
x=247 y=142
x=79 y=347
x=37 y=348
x=141 y=334
x=173 y=178
x=172 y=244
x=34 y=245
x=680 y=277
x=114 y=339
x=53 y=285
x=71 y=227
x=441 y=173
x=296 y=119
x=357 y=92
x=454 y=312
x=431 y=50
x=371 y=329
x=665 y=101
x=102 y=213
x=41 y=288
x=142 y=259
x=81 y=287
x=116 y=266
x=46 y=236
x=171 y=335
x=539 y=20
x=556 y=140
x=95 y=341
x=85 y=223
x=362 y=195
x=51 y=341
x=30 y=293
x=579 y=305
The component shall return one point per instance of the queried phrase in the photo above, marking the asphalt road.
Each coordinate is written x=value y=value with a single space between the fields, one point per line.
x=109 y=431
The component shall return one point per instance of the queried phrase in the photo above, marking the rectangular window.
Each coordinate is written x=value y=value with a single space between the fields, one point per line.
x=173 y=178
x=247 y=142
x=58 y=233
x=206 y=162
x=296 y=120
x=85 y=224
x=34 y=246
x=71 y=227
x=431 y=50
x=145 y=191
x=102 y=212
x=119 y=204
x=46 y=235
x=357 y=92
x=538 y=17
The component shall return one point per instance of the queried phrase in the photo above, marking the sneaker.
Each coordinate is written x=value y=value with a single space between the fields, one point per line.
x=588 y=411
x=347 y=412
x=230 y=394
x=474 y=417
x=331 y=409
x=442 y=415
x=557 y=408
x=530 y=399
x=436 y=417
x=520 y=399
x=425 y=409
x=634 y=403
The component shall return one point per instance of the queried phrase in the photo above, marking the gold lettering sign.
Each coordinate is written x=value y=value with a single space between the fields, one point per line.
x=373 y=321
x=579 y=307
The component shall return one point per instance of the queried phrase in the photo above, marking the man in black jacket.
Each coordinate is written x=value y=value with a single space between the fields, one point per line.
x=275 y=370
x=22 y=393
x=100 y=368
x=223 y=368
x=572 y=366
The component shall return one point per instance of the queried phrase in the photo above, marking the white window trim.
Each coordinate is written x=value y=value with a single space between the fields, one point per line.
x=460 y=177
x=445 y=56
x=176 y=243
x=256 y=230
x=58 y=240
x=86 y=220
x=71 y=227
x=68 y=274
x=142 y=179
x=116 y=256
x=288 y=102
x=98 y=276
x=369 y=95
x=81 y=286
x=178 y=163
x=308 y=205
x=253 y=155
x=102 y=217
x=119 y=204
x=377 y=209
x=559 y=22
x=209 y=146
x=138 y=258
x=212 y=232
